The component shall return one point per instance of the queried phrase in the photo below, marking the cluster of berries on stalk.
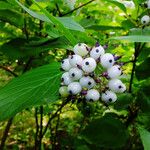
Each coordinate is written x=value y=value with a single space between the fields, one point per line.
x=91 y=74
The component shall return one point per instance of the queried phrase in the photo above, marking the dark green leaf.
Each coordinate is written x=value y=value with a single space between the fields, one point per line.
x=101 y=27
x=123 y=101
x=12 y=17
x=19 y=47
x=36 y=87
x=143 y=70
x=106 y=132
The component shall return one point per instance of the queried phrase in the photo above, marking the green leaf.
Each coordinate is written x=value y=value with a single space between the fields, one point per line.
x=120 y=5
x=145 y=137
x=5 y=5
x=142 y=71
x=12 y=17
x=133 y=38
x=19 y=47
x=68 y=22
x=123 y=101
x=106 y=132
x=143 y=95
x=34 y=88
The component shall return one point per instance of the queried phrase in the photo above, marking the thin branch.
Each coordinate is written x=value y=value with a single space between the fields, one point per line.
x=8 y=70
x=78 y=8
x=5 y=134
x=59 y=12
x=53 y=116
x=136 y=53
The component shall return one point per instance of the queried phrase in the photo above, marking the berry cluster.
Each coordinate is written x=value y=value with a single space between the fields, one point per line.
x=91 y=74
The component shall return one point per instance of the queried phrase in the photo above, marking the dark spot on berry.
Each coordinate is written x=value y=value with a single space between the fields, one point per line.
x=71 y=57
x=79 y=44
x=97 y=50
x=73 y=74
x=62 y=62
x=70 y=92
x=144 y=22
x=110 y=61
x=90 y=100
x=119 y=69
x=62 y=79
x=89 y=83
x=110 y=99
x=119 y=86
x=87 y=63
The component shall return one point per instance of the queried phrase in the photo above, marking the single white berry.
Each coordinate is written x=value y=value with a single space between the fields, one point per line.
x=65 y=65
x=88 y=65
x=116 y=86
x=75 y=73
x=74 y=88
x=87 y=82
x=107 y=60
x=145 y=20
x=66 y=79
x=96 y=52
x=63 y=91
x=75 y=60
x=81 y=49
x=109 y=97
x=114 y=71
x=92 y=95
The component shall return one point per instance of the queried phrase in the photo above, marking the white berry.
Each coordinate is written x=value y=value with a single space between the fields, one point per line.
x=66 y=80
x=75 y=60
x=107 y=60
x=116 y=86
x=92 y=95
x=63 y=91
x=75 y=73
x=114 y=71
x=145 y=19
x=87 y=82
x=74 y=88
x=88 y=65
x=109 y=97
x=65 y=65
x=96 y=52
x=81 y=49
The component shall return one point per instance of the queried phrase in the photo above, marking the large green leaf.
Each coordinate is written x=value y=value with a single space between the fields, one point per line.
x=143 y=70
x=134 y=38
x=68 y=22
x=34 y=88
x=106 y=132
x=145 y=137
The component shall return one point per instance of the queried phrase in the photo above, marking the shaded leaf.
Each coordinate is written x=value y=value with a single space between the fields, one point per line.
x=34 y=88
x=142 y=71
x=106 y=132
